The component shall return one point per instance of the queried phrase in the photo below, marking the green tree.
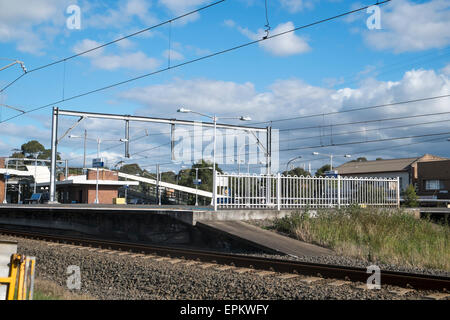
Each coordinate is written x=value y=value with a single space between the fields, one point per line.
x=410 y=197
x=132 y=168
x=297 y=172
x=186 y=177
x=360 y=159
x=321 y=171
x=47 y=155
x=32 y=147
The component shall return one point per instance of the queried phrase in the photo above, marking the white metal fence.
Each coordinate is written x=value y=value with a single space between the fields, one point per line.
x=286 y=192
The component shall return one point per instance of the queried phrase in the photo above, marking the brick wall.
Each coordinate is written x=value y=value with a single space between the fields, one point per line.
x=102 y=175
x=106 y=194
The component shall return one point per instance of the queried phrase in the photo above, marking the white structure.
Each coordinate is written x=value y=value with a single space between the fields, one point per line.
x=286 y=192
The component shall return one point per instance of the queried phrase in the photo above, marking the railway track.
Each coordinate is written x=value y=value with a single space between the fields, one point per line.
x=315 y=270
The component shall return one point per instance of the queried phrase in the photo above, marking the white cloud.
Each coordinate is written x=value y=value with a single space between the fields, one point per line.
x=408 y=26
x=130 y=60
x=182 y=6
x=174 y=55
x=31 y=23
x=446 y=70
x=284 y=45
x=293 y=97
x=295 y=6
x=126 y=13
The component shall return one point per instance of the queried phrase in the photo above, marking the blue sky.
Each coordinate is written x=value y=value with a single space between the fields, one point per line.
x=329 y=67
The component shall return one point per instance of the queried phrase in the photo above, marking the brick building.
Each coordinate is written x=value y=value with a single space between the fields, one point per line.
x=81 y=188
x=434 y=179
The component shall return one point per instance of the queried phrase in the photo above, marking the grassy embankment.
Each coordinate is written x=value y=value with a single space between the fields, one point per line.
x=383 y=236
x=48 y=290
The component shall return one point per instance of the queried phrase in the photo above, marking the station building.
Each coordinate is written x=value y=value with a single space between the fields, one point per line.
x=73 y=189
x=82 y=188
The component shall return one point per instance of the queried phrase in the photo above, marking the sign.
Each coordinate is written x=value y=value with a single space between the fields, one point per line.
x=98 y=163
x=332 y=173
x=197 y=182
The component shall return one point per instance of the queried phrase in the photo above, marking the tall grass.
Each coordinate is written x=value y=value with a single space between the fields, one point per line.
x=374 y=235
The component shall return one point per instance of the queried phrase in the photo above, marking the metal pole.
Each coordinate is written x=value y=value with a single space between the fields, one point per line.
x=214 y=195
x=6 y=180
x=54 y=153
x=196 y=187
x=35 y=173
x=339 y=191
x=157 y=184
x=127 y=138
x=96 y=184
x=84 y=154
x=331 y=162
x=67 y=168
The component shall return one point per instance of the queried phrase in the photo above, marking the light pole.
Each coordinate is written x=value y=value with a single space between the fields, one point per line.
x=99 y=141
x=196 y=180
x=331 y=157
x=35 y=171
x=293 y=159
x=214 y=118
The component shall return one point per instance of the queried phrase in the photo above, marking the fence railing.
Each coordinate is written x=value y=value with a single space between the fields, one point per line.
x=285 y=192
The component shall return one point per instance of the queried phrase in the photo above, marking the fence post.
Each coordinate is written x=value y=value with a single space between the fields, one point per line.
x=278 y=191
x=398 y=192
x=214 y=194
x=339 y=191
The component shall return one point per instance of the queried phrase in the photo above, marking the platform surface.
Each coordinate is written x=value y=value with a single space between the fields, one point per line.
x=265 y=239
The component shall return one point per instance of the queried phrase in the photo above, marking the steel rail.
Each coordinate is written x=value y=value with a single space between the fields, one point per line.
x=354 y=274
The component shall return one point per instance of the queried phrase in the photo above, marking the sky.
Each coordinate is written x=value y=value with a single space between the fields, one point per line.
x=369 y=58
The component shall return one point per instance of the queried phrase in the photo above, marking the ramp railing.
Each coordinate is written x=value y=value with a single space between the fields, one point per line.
x=286 y=192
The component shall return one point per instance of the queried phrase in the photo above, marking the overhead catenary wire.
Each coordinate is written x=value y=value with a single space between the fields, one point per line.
x=367 y=141
x=368 y=121
x=365 y=130
x=196 y=60
x=116 y=40
x=355 y=109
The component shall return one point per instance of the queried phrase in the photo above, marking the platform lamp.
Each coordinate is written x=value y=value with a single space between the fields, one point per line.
x=214 y=118
x=331 y=157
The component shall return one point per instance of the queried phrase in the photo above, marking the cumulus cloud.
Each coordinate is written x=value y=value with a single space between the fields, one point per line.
x=125 y=13
x=289 y=98
x=31 y=23
x=409 y=26
x=129 y=60
x=295 y=6
x=284 y=45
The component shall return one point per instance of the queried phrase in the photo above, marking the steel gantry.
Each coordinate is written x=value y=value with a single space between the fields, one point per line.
x=127 y=118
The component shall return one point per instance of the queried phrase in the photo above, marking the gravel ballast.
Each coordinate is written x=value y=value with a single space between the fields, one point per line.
x=110 y=276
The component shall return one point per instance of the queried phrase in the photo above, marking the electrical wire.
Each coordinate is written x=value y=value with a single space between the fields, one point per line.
x=367 y=141
x=194 y=60
x=116 y=40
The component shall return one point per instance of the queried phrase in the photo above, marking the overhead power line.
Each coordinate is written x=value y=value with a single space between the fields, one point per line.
x=197 y=59
x=367 y=141
x=367 y=121
x=355 y=109
x=367 y=130
x=115 y=41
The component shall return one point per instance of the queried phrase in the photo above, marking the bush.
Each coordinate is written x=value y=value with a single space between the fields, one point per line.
x=411 y=197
